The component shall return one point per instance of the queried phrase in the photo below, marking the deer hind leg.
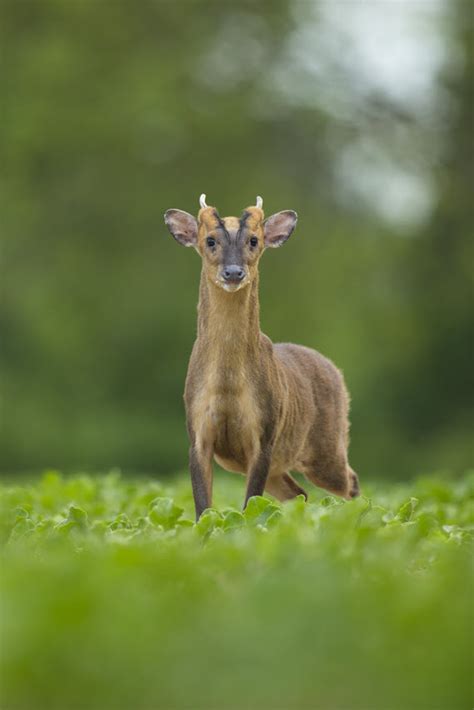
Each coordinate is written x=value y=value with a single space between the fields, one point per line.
x=284 y=487
x=334 y=475
x=354 y=488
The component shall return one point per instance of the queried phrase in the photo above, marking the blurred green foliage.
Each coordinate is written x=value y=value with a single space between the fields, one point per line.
x=113 y=112
x=113 y=598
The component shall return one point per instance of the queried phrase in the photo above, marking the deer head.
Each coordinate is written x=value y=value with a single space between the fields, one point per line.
x=231 y=247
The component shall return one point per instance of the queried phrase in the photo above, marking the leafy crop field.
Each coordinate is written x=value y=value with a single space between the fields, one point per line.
x=112 y=598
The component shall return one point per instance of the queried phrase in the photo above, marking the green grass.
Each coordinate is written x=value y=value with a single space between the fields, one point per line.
x=113 y=598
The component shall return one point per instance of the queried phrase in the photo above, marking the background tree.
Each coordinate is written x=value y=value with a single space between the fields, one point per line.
x=357 y=115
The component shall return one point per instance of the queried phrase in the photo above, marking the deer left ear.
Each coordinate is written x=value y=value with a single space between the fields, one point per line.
x=279 y=227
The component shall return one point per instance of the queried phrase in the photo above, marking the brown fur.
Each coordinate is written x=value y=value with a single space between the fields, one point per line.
x=257 y=408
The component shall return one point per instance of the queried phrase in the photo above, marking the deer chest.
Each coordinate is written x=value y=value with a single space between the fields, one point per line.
x=227 y=419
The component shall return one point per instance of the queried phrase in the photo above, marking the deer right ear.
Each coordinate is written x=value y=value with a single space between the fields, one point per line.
x=183 y=226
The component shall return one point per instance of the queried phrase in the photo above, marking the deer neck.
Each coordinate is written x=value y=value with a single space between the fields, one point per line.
x=229 y=323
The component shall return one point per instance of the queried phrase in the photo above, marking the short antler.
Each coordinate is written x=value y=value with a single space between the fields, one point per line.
x=202 y=201
x=259 y=202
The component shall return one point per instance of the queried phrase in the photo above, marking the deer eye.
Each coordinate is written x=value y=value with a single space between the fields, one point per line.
x=211 y=242
x=253 y=241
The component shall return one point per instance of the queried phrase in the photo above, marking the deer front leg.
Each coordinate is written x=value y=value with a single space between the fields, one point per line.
x=200 y=468
x=258 y=474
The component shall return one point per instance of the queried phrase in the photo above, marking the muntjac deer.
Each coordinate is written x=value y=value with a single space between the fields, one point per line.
x=257 y=408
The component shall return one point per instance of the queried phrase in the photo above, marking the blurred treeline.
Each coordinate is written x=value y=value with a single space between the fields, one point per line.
x=113 y=111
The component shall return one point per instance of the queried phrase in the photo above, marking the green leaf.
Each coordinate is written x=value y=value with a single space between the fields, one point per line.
x=77 y=515
x=121 y=522
x=163 y=511
x=233 y=520
x=406 y=511
x=327 y=501
x=21 y=513
x=23 y=524
x=259 y=510
x=274 y=518
x=209 y=520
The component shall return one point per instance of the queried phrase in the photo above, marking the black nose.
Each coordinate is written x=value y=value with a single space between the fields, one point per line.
x=233 y=274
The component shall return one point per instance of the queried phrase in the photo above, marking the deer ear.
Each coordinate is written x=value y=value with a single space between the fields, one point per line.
x=279 y=227
x=183 y=226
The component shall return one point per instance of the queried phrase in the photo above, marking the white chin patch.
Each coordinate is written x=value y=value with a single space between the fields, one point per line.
x=232 y=288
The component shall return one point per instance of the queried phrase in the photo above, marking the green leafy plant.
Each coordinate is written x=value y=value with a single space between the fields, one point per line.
x=112 y=597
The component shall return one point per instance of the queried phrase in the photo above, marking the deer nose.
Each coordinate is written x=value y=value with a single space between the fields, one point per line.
x=233 y=273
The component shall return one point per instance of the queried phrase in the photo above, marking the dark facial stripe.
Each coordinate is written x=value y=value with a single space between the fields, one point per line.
x=234 y=248
x=244 y=218
x=232 y=252
x=243 y=224
x=242 y=233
